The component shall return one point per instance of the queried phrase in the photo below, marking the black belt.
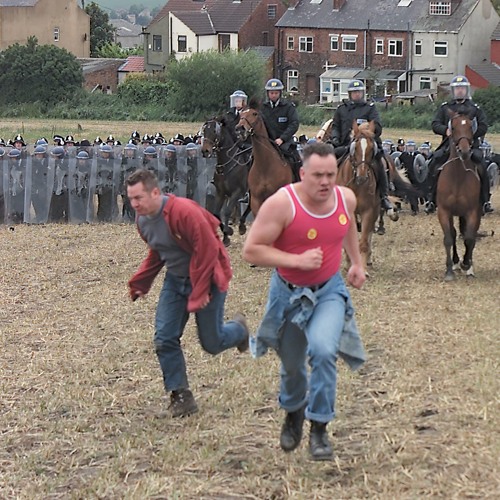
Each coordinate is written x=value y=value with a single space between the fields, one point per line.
x=291 y=286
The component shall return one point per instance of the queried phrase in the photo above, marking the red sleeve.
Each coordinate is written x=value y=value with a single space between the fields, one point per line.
x=143 y=278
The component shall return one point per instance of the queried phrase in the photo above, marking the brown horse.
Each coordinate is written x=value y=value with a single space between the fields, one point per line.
x=357 y=172
x=457 y=194
x=270 y=170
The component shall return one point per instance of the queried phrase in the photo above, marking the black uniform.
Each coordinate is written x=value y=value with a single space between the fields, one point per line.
x=440 y=127
x=282 y=122
x=343 y=118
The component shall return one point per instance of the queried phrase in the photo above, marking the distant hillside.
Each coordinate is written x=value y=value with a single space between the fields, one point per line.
x=108 y=5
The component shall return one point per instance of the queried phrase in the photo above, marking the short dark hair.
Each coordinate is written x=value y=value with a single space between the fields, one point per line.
x=147 y=177
x=317 y=148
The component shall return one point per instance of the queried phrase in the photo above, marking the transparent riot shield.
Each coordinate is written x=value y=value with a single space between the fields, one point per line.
x=169 y=156
x=39 y=188
x=14 y=181
x=59 y=203
x=130 y=163
x=155 y=164
x=206 y=169
x=80 y=206
x=182 y=172
x=105 y=180
x=2 y=194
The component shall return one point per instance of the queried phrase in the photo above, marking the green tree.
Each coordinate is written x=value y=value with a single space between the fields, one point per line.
x=489 y=100
x=101 y=32
x=201 y=84
x=32 y=72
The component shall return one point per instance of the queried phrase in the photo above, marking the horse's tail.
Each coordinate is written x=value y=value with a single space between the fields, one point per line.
x=403 y=188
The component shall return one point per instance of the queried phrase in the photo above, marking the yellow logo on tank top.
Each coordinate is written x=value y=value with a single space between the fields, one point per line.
x=342 y=219
x=312 y=234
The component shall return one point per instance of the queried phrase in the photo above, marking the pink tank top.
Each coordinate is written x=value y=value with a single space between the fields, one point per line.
x=308 y=230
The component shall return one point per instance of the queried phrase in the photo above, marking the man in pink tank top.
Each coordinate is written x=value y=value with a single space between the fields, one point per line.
x=309 y=318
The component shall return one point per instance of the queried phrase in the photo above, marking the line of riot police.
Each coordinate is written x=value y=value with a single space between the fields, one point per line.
x=78 y=184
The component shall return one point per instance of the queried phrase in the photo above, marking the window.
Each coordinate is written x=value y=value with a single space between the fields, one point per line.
x=442 y=8
x=182 y=43
x=395 y=48
x=305 y=43
x=290 y=43
x=349 y=43
x=157 y=43
x=441 y=49
x=265 y=38
x=425 y=82
x=56 y=34
x=334 y=42
x=418 y=47
x=271 y=11
x=379 y=46
x=293 y=80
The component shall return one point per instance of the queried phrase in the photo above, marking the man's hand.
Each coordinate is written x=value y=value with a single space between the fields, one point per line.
x=310 y=259
x=136 y=294
x=278 y=141
x=356 y=276
x=205 y=301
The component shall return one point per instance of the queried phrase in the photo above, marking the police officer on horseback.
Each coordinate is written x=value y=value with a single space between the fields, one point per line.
x=237 y=101
x=282 y=122
x=461 y=102
x=357 y=108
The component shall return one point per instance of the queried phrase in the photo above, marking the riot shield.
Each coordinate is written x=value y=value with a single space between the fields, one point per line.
x=129 y=164
x=2 y=194
x=80 y=206
x=39 y=188
x=206 y=169
x=493 y=174
x=14 y=179
x=156 y=164
x=193 y=166
x=397 y=162
x=169 y=155
x=106 y=185
x=59 y=203
x=182 y=172
x=420 y=168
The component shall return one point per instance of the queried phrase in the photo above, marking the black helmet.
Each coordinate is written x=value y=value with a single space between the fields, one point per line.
x=18 y=138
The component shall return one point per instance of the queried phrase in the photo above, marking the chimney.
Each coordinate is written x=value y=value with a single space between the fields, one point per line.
x=338 y=4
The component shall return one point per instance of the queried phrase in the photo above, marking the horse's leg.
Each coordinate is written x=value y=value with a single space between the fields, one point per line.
x=449 y=241
x=468 y=229
x=242 y=228
x=364 y=241
x=381 y=225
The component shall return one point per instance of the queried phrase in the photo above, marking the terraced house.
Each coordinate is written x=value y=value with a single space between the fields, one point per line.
x=393 y=45
x=58 y=22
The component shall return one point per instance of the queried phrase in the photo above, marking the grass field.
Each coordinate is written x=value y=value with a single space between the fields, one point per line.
x=82 y=407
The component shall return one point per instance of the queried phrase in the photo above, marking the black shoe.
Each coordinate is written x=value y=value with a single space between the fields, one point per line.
x=386 y=204
x=182 y=403
x=291 y=431
x=430 y=207
x=487 y=208
x=319 y=444
x=240 y=318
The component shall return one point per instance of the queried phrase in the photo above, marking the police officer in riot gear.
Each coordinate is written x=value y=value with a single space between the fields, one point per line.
x=460 y=102
x=237 y=101
x=282 y=122
x=357 y=108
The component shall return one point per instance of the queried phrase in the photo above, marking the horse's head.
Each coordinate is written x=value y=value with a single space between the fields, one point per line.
x=362 y=150
x=462 y=130
x=248 y=124
x=325 y=131
x=211 y=132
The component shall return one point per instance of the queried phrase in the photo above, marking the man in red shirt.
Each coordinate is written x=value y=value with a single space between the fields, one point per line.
x=182 y=236
x=300 y=231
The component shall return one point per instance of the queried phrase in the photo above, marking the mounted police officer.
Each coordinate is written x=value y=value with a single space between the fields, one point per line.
x=357 y=108
x=282 y=122
x=460 y=102
x=237 y=101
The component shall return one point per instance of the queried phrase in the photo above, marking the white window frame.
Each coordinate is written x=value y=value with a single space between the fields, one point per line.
x=425 y=82
x=185 y=40
x=272 y=10
x=348 y=39
x=292 y=76
x=379 y=45
x=395 y=48
x=440 y=8
x=334 y=42
x=290 y=43
x=306 y=44
x=57 y=34
x=417 y=50
x=443 y=45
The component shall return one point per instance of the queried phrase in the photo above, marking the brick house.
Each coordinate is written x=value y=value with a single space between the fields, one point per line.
x=393 y=45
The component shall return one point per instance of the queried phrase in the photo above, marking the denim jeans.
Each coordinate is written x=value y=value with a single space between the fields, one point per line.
x=317 y=343
x=171 y=317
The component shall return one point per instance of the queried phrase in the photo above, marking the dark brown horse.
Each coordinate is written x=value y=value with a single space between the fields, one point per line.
x=357 y=172
x=457 y=195
x=270 y=170
x=231 y=172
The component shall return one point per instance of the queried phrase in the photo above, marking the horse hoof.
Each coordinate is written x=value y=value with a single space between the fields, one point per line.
x=449 y=277
x=393 y=215
x=229 y=231
x=226 y=241
x=242 y=230
x=381 y=230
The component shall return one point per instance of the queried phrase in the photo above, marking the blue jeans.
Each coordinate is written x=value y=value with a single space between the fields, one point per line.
x=171 y=317
x=318 y=344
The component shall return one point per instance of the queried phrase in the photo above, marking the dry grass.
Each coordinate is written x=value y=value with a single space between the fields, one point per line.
x=83 y=413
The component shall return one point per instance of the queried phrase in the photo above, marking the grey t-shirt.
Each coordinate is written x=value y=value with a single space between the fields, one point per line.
x=159 y=238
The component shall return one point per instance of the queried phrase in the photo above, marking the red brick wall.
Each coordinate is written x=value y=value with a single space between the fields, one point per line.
x=106 y=77
x=251 y=32
x=495 y=51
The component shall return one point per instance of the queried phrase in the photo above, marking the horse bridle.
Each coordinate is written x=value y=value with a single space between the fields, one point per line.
x=474 y=128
